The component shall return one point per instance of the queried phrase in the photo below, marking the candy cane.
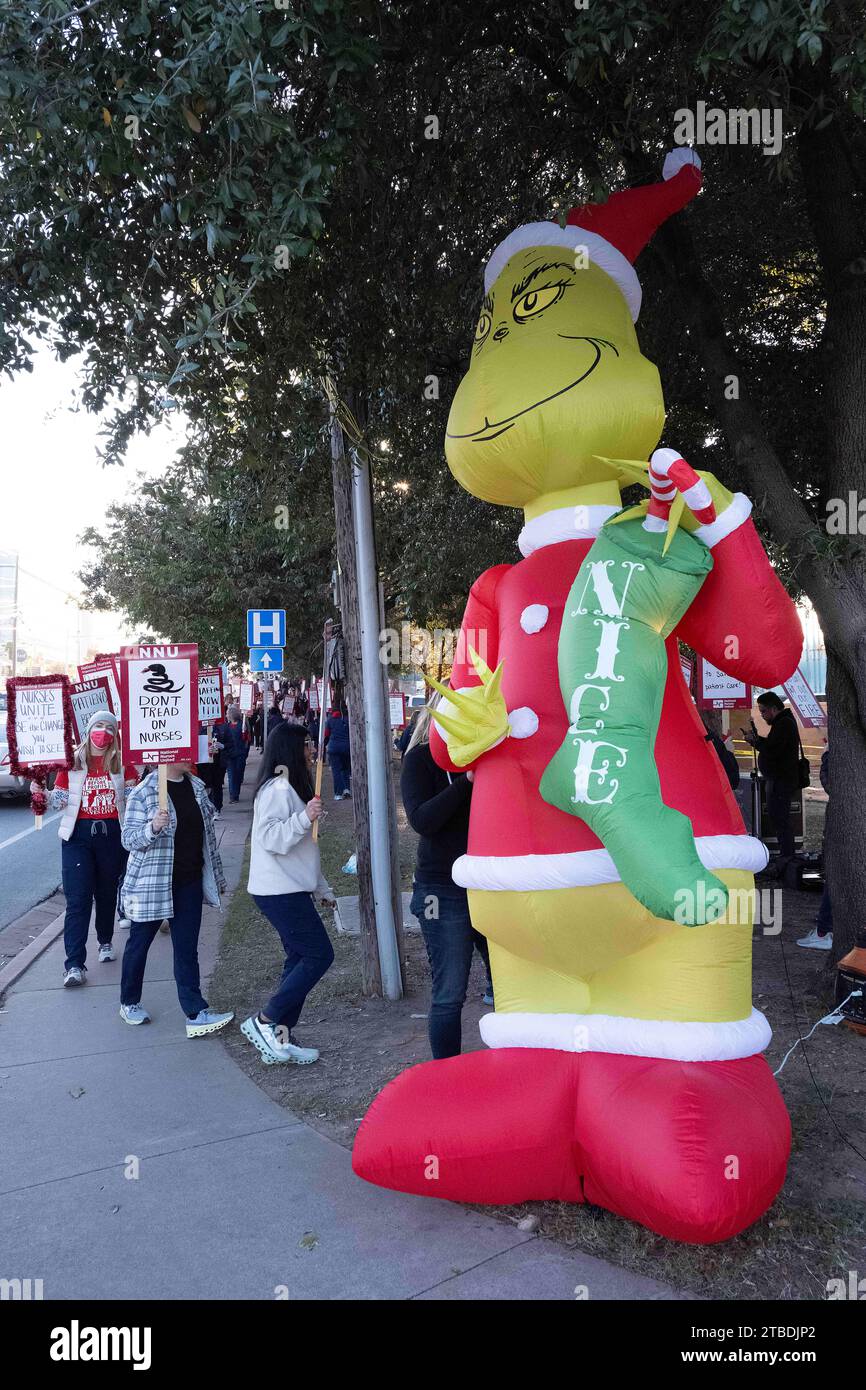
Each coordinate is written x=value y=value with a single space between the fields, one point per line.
x=669 y=473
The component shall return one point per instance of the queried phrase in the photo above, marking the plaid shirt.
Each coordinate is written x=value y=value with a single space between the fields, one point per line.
x=145 y=895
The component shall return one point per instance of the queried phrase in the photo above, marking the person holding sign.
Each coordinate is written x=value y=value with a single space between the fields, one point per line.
x=285 y=873
x=235 y=747
x=339 y=753
x=778 y=761
x=174 y=868
x=92 y=797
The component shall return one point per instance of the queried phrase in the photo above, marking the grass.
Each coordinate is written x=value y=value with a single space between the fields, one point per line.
x=815 y=1231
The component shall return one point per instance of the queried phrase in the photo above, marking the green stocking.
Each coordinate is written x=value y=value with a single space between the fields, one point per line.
x=626 y=599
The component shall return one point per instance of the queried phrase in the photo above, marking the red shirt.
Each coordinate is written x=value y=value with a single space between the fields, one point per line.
x=98 y=801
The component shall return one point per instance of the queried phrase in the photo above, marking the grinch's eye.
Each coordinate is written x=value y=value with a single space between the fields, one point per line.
x=535 y=300
x=483 y=328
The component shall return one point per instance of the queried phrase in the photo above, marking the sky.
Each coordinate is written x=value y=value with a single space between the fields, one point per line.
x=53 y=488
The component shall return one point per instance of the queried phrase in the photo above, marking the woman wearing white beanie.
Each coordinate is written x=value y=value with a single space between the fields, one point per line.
x=92 y=795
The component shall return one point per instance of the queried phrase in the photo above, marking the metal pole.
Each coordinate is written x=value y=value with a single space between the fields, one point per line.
x=326 y=637
x=15 y=623
x=378 y=757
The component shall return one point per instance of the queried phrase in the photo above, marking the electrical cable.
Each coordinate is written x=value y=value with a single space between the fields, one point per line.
x=801 y=1040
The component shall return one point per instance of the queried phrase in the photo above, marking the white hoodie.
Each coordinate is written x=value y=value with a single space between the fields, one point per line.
x=284 y=858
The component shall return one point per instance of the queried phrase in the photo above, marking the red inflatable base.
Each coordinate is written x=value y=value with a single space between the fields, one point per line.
x=696 y=1151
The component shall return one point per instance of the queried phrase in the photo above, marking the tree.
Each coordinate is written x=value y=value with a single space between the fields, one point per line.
x=227 y=526
x=754 y=299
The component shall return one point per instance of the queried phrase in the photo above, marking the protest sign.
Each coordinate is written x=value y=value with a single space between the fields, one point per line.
x=247 y=697
x=105 y=664
x=397 y=707
x=87 y=698
x=718 y=691
x=38 y=731
x=159 y=702
x=802 y=697
x=210 y=695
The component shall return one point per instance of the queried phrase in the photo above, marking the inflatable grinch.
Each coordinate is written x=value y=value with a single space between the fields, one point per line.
x=608 y=865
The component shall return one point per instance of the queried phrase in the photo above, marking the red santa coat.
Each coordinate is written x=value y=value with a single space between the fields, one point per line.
x=516 y=840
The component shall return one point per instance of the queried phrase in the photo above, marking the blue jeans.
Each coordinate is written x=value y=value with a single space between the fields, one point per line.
x=450 y=939
x=185 y=926
x=824 y=922
x=236 y=768
x=308 y=949
x=92 y=862
x=218 y=777
x=341 y=766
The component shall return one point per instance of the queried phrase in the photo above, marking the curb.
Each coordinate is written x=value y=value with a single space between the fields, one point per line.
x=29 y=953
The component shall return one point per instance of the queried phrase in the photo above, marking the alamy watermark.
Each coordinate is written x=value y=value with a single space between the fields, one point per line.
x=713 y=125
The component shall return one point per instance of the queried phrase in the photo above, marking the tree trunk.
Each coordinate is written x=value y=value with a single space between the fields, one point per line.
x=836 y=585
x=341 y=478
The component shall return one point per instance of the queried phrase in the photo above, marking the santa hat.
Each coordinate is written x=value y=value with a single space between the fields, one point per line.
x=612 y=233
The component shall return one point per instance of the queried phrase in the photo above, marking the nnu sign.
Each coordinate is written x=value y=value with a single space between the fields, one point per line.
x=159 y=699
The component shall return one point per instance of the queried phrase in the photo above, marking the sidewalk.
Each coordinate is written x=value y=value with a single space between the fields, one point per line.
x=234 y=1198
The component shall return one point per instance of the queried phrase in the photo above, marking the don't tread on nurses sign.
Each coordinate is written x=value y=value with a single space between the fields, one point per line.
x=159 y=700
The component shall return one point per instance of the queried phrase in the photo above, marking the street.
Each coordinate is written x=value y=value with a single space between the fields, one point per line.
x=29 y=859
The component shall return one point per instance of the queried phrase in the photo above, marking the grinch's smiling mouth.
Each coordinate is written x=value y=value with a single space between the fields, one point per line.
x=492 y=429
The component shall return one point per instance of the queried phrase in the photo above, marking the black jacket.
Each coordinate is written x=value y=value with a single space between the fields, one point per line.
x=779 y=751
x=437 y=808
x=727 y=759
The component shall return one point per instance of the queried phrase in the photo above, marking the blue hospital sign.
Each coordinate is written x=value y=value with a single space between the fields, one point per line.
x=266 y=627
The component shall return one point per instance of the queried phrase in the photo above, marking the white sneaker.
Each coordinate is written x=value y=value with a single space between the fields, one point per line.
x=816 y=942
x=206 y=1022
x=134 y=1014
x=106 y=952
x=73 y=976
x=276 y=1044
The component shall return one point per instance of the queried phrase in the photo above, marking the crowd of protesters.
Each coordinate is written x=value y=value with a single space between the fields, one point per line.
x=159 y=865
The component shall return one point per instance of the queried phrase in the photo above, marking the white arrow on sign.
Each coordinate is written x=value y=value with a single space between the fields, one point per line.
x=266 y=661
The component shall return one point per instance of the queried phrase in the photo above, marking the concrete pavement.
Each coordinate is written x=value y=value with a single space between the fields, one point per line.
x=139 y=1164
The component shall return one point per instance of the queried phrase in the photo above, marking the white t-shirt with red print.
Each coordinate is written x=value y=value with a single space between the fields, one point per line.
x=98 y=801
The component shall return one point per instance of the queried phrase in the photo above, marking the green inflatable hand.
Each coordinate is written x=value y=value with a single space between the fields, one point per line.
x=626 y=599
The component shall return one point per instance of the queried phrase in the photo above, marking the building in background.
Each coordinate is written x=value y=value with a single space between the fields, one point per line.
x=42 y=628
x=813 y=662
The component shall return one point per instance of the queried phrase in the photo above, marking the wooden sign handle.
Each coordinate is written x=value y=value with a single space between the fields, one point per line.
x=162 y=786
x=318 y=793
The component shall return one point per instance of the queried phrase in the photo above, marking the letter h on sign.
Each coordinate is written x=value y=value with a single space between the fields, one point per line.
x=266 y=627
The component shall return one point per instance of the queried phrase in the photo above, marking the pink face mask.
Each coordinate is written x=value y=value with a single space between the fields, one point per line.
x=101 y=738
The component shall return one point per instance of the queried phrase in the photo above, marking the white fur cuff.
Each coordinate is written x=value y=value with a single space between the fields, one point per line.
x=631 y=1037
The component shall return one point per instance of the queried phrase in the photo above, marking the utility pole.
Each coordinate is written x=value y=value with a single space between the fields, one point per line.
x=15 y=621
x=380 y=927
x=375 y=723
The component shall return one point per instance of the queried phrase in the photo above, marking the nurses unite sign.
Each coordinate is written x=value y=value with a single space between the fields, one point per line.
x=159 y=699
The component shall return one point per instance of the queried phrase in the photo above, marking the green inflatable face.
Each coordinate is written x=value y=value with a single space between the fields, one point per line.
x=556 y=378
